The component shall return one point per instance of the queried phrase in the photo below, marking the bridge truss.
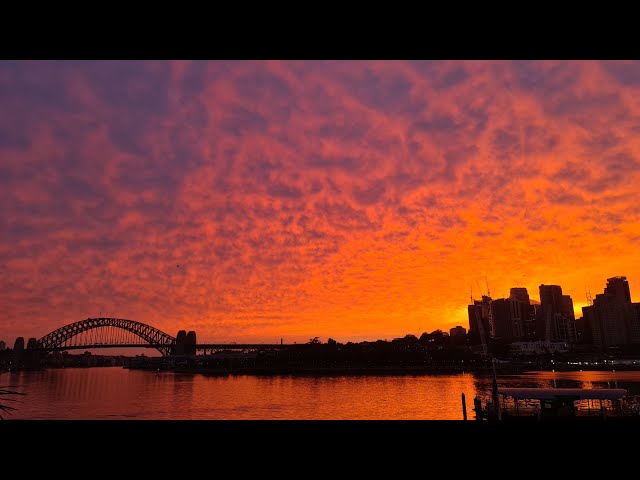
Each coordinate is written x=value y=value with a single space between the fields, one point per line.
x=150 y=336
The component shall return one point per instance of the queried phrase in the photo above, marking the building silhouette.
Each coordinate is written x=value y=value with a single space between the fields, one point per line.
x=523 y=314
x=558 y=319
x=457 y=330
x=613 y=319
x=513 y=318
x=3 y=345
x=181 y=340
x=502 y=322
x=479 y=317
x=519 y=294
x=190 y=343
x=18 y=352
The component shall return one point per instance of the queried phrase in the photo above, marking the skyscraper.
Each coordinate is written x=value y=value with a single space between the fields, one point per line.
x=618 y=287
x=520 y=294
x=513 y=318
x=502 y=322
x=522 y=314
x=479 y=317
x=557 y=315
x=613 y=319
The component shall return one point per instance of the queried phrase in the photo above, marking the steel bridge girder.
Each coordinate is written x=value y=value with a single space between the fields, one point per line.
x=149 y=334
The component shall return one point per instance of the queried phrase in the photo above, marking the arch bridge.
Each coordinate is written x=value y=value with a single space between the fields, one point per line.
x=107 y=333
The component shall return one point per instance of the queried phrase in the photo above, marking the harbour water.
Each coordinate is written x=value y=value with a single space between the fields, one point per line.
x=116 y=393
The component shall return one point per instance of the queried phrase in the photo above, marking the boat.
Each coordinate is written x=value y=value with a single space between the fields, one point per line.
x=556 y=403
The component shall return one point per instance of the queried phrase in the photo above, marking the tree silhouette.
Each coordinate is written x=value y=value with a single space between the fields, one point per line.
x=3 y=406
x=439 y=337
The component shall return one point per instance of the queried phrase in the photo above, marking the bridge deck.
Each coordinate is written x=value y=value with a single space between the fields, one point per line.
x=200 y=346
x=240 y=346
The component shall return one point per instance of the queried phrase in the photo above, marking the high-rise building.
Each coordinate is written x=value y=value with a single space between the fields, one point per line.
x=520 y=294
x=522 y=314
x=567 y=306
x=513 y=318
x=501 y=316
x=612 y=319
x=618 y=287
x=558 y=319
x=580 y=329
x=540 y=327
x=635 y=323
x=458 y=330
x=479 y=317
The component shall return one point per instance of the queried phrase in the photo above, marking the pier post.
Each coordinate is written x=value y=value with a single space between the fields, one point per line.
x=477 y=406
x=464 y=407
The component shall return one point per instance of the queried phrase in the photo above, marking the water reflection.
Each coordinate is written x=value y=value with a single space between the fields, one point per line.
x=113 y=393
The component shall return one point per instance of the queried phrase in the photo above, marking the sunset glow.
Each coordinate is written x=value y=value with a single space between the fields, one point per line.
x=253 y=201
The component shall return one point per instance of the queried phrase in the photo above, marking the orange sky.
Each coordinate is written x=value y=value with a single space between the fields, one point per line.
x=353 y=200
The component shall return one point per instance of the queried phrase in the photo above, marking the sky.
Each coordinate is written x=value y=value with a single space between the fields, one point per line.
x=357 y=200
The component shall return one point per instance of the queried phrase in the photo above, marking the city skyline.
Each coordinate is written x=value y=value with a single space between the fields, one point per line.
x=353 y=200
x=520 y=324
x=520 y=294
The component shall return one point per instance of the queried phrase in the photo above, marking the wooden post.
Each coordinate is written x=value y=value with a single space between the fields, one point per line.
x=464 y=407
x=494 y=395
x=477 y=406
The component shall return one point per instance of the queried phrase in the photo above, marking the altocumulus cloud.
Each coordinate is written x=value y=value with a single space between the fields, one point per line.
x=259 y=200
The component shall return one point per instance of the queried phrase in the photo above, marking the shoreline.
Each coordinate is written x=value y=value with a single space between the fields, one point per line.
x=380 y=371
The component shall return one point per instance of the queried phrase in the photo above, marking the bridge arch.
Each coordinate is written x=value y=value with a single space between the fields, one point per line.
x=160 y=340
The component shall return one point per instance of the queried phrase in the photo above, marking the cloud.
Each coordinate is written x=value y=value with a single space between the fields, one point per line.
x=350 y=199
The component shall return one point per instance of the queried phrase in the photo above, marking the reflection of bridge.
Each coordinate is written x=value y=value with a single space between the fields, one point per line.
x=118 y=332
